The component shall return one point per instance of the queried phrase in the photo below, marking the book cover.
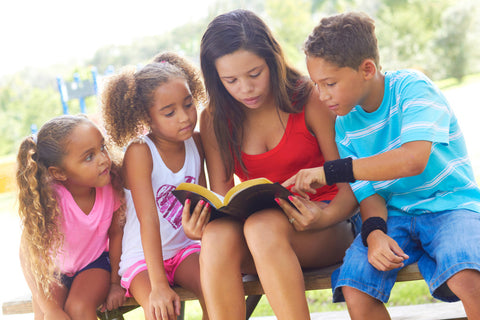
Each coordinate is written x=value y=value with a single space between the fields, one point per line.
x=240 y=201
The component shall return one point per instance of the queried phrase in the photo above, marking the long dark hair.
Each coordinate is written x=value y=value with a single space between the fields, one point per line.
x=227 y=33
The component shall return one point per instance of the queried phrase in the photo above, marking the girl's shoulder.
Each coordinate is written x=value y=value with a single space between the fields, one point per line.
x=316 y=112
x=137 y=152
x=139 y=144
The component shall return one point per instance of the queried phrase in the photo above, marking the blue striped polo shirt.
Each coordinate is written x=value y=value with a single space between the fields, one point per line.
x=413 y=109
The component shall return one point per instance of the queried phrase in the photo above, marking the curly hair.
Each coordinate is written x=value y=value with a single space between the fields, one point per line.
x=128 y=96
x=38 y=208
x=345 y=39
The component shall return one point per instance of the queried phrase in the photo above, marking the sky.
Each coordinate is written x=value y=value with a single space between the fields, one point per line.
x=44 y=32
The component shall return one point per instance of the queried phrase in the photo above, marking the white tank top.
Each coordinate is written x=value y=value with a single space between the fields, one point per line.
x=168 y=207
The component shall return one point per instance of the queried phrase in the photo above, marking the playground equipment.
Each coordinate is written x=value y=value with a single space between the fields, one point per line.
x=77 y=89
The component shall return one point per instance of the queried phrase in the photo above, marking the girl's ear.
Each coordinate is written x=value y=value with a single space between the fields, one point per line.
x=368 y=68
x=57 y=173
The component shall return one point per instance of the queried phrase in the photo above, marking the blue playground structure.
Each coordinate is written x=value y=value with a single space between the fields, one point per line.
x=77 y=89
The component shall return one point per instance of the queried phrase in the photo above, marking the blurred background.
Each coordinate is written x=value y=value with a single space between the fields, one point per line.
x=44 y=41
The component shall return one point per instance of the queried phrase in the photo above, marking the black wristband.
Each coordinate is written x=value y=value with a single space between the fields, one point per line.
x=373 y=223
x=340 y=170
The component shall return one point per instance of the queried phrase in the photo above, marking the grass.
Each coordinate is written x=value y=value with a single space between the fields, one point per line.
x=452 y=83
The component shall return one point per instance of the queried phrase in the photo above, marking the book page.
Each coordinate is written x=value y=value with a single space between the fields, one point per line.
x=215 y=199
x=242 y=186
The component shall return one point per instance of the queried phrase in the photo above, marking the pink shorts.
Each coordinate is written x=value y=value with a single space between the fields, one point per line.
x=170 y=265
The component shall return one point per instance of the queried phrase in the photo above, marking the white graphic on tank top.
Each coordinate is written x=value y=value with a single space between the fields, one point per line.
x=168 y=205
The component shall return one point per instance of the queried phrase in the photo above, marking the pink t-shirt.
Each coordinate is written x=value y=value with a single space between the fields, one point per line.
x=85 y=235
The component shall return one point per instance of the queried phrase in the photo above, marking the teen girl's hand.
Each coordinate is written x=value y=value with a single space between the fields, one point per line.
x=164 y=303
x=194 y=224
x=384 y=253
x=306 y=180
x=304 y=214
x=116 y=297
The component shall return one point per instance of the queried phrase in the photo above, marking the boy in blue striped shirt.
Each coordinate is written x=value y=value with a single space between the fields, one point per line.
x=405 y=158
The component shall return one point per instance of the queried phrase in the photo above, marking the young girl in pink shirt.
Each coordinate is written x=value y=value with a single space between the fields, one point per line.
x=71 y=218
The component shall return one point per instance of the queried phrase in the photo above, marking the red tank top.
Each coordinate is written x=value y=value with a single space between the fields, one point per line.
x=297 y=150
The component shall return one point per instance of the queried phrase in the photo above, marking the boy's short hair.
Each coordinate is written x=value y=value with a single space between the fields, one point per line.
x=346 y=40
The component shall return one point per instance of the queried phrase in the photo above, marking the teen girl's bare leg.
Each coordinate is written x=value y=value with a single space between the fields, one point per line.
x=223 y=258
x=89 y=290
x=466 y=286
x=187 y=276
x=280 y=252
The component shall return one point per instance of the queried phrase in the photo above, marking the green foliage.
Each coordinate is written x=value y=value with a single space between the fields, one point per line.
x=23 y=106
x=442 y=38
x=452 y=41
x=405 y=32
x=184 y=39
x=291 y=22
x=26 y=105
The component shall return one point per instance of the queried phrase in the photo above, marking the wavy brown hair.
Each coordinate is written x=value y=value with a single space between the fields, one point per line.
x=227 y=33
x=38 y=208
x=128 y=96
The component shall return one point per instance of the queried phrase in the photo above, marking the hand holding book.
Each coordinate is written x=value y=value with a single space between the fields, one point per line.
x=195 y=219
x=241 y=201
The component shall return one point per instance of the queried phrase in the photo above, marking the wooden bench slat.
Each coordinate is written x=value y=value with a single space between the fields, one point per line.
x=315 y=279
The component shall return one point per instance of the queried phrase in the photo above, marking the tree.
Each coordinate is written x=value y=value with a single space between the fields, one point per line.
x=291 y=22
x=452 y=39
x=24 y=106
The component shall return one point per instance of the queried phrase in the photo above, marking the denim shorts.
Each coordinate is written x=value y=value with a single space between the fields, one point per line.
x=102 y=262
x=442 y=243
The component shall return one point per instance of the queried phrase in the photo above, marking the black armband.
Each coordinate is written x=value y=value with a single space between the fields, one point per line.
x=373 y=223
x=340 y=170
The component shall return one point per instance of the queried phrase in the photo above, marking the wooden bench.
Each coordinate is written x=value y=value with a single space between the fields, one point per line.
x=314 y=280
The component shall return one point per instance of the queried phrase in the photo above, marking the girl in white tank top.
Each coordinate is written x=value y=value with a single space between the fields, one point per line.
x=160 y=98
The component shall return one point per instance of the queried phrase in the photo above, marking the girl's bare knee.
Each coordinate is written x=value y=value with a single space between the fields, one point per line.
x=222 y=242
x=266 y=227
x=78 y=309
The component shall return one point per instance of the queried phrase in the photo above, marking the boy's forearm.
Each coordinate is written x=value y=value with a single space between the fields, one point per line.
x=408 y=160
x=373 y=206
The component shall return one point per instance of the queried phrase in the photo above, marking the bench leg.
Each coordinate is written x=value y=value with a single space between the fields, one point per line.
x=116 y=314
x=182 y=311
x=251 y=303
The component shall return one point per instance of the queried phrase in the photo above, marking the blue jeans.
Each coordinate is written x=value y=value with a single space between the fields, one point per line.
x=442 y=243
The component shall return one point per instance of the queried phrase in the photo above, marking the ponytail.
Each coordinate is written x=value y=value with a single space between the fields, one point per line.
x=37 y=204
x=38 y=214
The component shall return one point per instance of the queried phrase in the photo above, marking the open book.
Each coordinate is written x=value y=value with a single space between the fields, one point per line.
x=240 y=201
